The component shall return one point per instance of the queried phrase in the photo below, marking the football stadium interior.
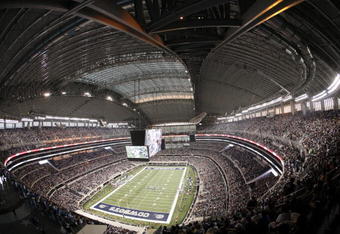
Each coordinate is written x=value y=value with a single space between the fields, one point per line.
x=170 y=116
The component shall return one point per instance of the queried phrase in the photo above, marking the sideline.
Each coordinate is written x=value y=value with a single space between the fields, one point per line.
x=177 y=195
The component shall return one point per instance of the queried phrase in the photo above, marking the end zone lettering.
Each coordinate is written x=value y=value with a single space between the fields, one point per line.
x=129 y=212
x=132 y=213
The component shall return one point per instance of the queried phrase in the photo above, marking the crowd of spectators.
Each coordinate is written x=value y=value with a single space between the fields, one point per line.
x=247 y=161
x=59 y=208
x=44 y=183
x=211 y=200
x=227 y=202
x=316 y=132
x=21 y=139
x=307 y=194
x=72 y=193
x=66 y=179
x=302 y=212
x=214 y=163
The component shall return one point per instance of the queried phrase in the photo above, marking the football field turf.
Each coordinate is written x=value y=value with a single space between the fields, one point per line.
x=150 y=195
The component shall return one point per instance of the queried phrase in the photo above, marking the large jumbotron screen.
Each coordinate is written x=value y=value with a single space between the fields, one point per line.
x=137 y=152
x=153 y=139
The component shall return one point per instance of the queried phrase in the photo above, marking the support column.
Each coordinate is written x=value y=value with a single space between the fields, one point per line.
x=336 y=104
x=322 y=104
x=292 y=107
x=304 y=108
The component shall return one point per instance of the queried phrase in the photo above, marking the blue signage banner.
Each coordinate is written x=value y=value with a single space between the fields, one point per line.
x=132 y=213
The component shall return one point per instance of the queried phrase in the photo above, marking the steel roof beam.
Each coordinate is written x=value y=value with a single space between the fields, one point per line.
x=162 y=89
x=101 y=11
x=235 y=87
x=188 y=42
x=194 y=24
x=183 y=12
x=160 y=93
x=69 y=59
x=158 y=76
x=258 y=13
x=263 y=65
x=177 y=101
x=19 y=14
x=28 y=55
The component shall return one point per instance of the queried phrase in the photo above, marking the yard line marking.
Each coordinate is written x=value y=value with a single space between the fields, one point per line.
x=92 y=207
x=176 y=198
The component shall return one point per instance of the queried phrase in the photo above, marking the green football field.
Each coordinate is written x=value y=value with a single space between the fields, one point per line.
x=150 y=195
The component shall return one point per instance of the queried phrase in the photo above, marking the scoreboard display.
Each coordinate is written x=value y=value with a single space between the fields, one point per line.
x=145 y=143
x=153 y=139
x=137 y=152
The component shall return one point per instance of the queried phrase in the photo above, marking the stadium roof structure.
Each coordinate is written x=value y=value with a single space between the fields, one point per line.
x=162 y=60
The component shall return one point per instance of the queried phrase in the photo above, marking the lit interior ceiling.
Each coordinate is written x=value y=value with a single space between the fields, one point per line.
x=144 y=81
x=167 y=60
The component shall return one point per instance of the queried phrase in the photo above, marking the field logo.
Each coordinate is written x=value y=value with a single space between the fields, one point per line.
x=132 y=213
x=159 y=216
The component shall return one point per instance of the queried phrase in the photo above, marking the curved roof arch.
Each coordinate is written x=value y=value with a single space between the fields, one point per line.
x=90 y=53
x=193 y=56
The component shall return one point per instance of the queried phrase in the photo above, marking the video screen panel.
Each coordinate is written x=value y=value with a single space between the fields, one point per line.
x=153 y=139
x=137 y=152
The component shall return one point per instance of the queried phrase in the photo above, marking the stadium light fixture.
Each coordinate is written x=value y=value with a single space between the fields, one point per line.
x=26 y=120
x=331 y=89
x=274 y=172
x=11 y=121
x=287 y=98
x=46 y=94
x=276 y=100
x=109 y=98
x=335 y=84
x=301 y=97
x=173 y=124
x=56 y=117
x=41 y=162
x=319 y=96
x=79 y=119
x=87 y=94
